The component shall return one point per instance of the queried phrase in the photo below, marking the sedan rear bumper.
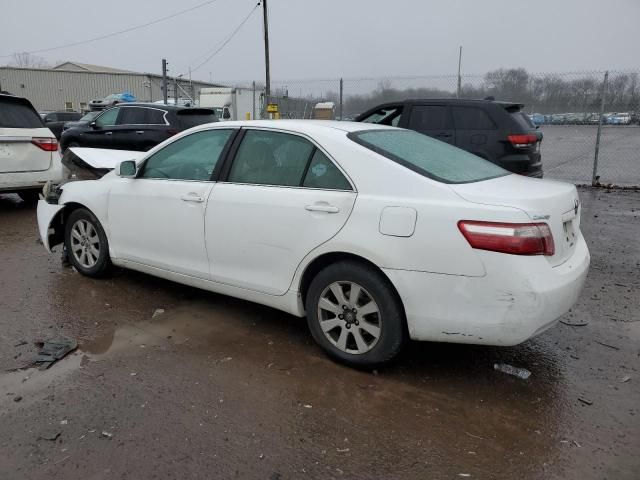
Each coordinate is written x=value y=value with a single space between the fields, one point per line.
x=519 y=298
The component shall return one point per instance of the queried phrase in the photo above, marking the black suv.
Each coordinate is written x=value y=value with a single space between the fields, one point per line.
x=56 y=120
x=135 y=126
x=496 y=131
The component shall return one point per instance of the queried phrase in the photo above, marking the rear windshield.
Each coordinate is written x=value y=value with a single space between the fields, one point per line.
x=428 y=156
x=192 y=117
x=521 y=118
x=16 y=114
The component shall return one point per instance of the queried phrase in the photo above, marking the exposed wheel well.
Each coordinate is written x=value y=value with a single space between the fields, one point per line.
x=333 y=257
x=59 y=220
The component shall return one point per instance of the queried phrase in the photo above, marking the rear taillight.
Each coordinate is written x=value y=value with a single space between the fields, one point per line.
x=522 y=141
x=513 y=238
x=46 y=144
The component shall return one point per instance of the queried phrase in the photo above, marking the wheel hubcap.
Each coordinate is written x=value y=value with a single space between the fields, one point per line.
x=349 y=317
x=85 y=243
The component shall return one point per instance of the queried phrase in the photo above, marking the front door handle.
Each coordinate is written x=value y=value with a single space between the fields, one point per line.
x=108 y=133
x=192 y=197
x=322 y=207
x=139 y=132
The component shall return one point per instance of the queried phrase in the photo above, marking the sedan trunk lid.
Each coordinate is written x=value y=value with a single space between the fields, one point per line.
x=554 y=203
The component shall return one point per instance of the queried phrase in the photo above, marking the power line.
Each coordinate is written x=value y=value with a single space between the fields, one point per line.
x=119 y=32
x=225 y=42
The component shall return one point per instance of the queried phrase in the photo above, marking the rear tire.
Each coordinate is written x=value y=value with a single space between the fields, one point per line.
x=86 y=244
x=30 y=197
x=363 y=332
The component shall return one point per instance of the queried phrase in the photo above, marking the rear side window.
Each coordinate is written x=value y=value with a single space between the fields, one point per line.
x=155 y=117
x=15 y=114
x=428 y=156
x=429 y=117
x=322 y=173
x=271 y=158
x=471 y=118
x=195 y=116
x=133 y=116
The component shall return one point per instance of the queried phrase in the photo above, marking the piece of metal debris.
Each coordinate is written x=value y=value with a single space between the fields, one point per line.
x=106 y=434
x=574 y=324
x=50 y=436
x=607 y=345
x=626 y=378
x=17 y=398
x=522 y=373
x=53 y=350
x=585 y=401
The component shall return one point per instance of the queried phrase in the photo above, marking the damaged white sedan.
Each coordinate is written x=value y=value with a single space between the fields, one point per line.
x=376 y=234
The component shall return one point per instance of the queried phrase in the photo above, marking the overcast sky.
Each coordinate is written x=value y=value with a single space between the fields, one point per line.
x=332 y=38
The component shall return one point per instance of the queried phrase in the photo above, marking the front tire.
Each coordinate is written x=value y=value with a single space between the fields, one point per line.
x=86 y=244
x=354 y=314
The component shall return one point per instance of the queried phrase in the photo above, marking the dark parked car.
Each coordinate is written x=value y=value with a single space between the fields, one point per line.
x=496 y=131
x=55 y=121
x=135 y=126
x=85 y=120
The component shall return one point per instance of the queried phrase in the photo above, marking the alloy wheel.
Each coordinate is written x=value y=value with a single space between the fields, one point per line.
x=85 y=243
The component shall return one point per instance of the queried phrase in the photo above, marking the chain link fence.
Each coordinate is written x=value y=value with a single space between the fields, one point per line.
x=590 y=120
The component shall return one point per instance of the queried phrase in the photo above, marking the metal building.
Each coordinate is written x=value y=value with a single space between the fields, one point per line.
x=71 y=85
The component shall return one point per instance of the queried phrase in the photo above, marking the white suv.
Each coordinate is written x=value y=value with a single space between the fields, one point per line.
x=29 y=154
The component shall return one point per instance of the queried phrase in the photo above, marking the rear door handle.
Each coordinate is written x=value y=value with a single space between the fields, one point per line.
x=320 y=207
x=108 y=133
x=444 y=134
x=192 y=197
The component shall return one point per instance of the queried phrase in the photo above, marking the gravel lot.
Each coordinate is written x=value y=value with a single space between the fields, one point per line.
x=214 y=387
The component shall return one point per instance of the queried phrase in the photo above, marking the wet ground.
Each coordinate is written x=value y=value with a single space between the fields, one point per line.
x=214 y=387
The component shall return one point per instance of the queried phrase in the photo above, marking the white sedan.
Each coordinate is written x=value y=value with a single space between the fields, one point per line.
x=376 y=234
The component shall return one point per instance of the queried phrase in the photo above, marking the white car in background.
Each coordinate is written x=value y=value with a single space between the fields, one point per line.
x=376 y=234
x=29 y=154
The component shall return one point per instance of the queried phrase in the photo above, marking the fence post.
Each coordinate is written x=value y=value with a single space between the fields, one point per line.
x=253 y=112
x=341 y=90
x=594 y=177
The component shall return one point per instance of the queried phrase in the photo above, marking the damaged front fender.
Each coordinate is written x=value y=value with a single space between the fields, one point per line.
x=46 y=214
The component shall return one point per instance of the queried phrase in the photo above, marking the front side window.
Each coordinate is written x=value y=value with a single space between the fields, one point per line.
x=322 y=173
x=428 y=156
x=271 y=158
x=108 y=118
x=429 y=117
x=385 y=116
x=193 y=157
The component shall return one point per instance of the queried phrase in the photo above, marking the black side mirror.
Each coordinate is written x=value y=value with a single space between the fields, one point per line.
x=93 y=125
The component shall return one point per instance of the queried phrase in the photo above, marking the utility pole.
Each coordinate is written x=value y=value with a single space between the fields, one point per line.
x=164 y=80
x=267 y=86
x=594 y=177
x=459 y=76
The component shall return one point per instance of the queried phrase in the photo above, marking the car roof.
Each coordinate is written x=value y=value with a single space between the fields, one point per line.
x=457 y=101
x=303 y=126
x=159 y=106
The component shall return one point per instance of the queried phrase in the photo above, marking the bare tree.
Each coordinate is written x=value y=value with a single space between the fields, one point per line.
x=28 y=60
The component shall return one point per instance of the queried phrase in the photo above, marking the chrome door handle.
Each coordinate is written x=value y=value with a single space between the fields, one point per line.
x=322 y=208
x=108 y=133
x=192 y=197
x=139 y=132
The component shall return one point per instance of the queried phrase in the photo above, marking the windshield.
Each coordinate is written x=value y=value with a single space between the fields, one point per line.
x=89 y=116
x=428 y=156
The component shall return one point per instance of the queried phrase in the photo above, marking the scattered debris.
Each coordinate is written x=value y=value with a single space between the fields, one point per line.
x=626 y=378
x=17 y=398
x=522 y=373
x=575 y=357
x=342 y=450
x=64 y=422
x=261 y=456
x=585 y=401
x=574 y=324
x=106 y=434
x=50 y=436
x=21 y=343
x=607 y=345
x=308 y=406
x=577 y=444
x=133 y=374
x=158 y=311
x=474 y=436
x=53 y=350
x=464 y=474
